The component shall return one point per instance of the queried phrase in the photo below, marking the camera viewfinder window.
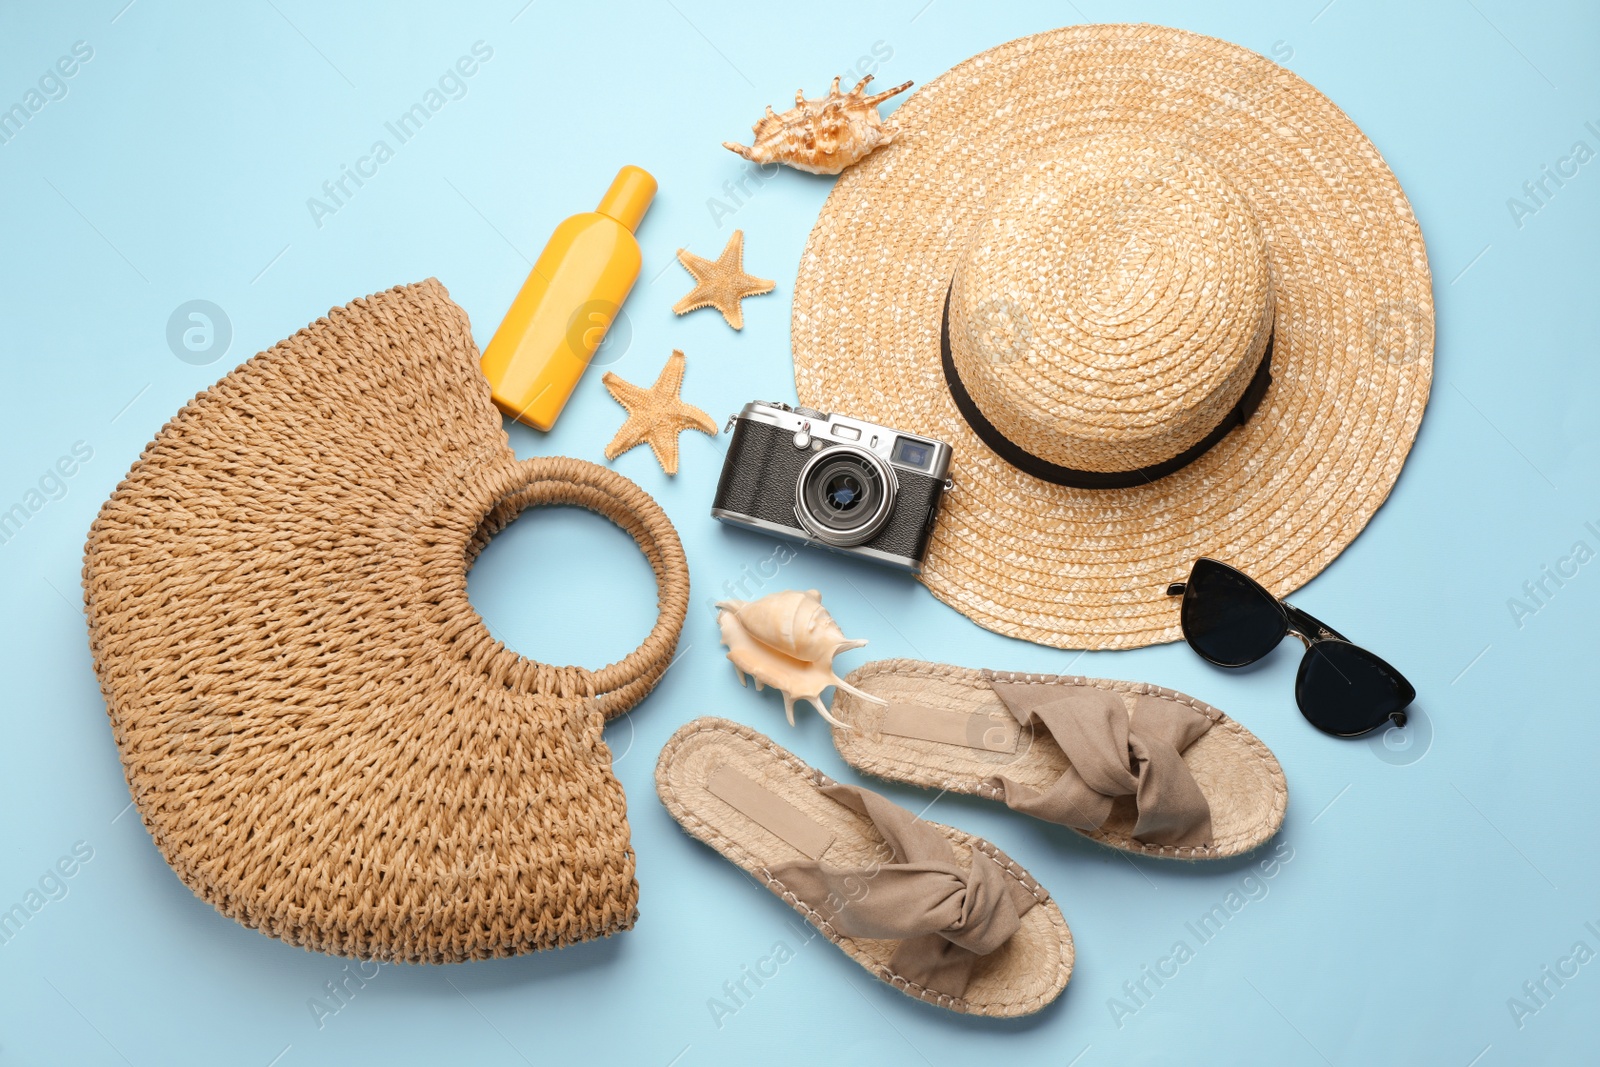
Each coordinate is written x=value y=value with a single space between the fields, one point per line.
x=911 y=453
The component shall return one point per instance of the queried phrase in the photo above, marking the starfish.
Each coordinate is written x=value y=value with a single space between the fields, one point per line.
x=721 y=283
x=656 y=415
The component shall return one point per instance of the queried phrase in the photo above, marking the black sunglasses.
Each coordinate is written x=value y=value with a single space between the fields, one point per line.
x=1342 y=689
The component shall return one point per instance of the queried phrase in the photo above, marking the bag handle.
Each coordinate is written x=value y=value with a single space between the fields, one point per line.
x=556 y=480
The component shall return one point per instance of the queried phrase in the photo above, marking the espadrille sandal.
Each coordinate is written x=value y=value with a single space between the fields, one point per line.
x=1133 y=766
x=939 y=914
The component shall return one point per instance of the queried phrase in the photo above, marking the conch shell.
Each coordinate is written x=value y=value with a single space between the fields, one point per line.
x=822 y=136
x=787 y=640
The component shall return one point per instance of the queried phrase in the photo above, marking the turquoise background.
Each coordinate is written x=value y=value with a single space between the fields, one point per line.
x=1432 y=873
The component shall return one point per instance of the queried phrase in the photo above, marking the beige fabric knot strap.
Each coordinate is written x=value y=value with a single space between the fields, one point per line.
x=945 y=917
x=1112 y=754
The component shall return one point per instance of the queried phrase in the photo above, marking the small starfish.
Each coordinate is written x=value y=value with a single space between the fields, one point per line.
x=656 y=415
x=721 y=283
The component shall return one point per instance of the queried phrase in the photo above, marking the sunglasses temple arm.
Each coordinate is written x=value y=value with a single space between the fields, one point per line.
x=1177 y=588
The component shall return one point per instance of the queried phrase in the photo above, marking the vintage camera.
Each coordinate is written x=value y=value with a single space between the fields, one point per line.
x=830 y=480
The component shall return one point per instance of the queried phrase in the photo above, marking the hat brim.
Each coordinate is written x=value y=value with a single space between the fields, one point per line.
x=1280 y=496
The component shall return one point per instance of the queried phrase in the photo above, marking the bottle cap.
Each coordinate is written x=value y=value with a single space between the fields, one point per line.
x=630 y=194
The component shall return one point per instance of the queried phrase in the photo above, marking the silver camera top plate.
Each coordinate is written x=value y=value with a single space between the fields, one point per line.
x=818 y=429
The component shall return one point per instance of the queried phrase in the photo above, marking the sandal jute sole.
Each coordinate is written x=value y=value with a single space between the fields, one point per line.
x=1238 y=775
x=1024 y=974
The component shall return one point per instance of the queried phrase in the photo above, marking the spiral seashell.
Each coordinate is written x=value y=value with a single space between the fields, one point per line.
x=787 y=640
x=822 y=136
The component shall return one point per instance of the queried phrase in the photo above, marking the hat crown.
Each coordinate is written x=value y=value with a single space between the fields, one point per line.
x=1113 y=304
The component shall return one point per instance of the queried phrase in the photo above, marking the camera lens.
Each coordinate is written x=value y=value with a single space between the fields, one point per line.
x=843 y=492
x=844 y=496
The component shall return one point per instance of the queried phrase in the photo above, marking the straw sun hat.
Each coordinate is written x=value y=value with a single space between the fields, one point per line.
x=1163 y=298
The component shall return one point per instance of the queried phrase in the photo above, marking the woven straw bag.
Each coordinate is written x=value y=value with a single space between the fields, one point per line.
x=320 y=734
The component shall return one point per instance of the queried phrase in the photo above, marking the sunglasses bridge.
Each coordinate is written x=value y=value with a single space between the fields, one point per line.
x=1307 y=628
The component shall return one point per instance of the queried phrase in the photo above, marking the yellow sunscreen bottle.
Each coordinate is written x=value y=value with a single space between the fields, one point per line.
x=569 y=301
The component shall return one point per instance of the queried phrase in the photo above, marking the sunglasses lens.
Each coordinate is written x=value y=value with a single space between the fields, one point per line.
x=1227 y=618
x=1346 y=690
